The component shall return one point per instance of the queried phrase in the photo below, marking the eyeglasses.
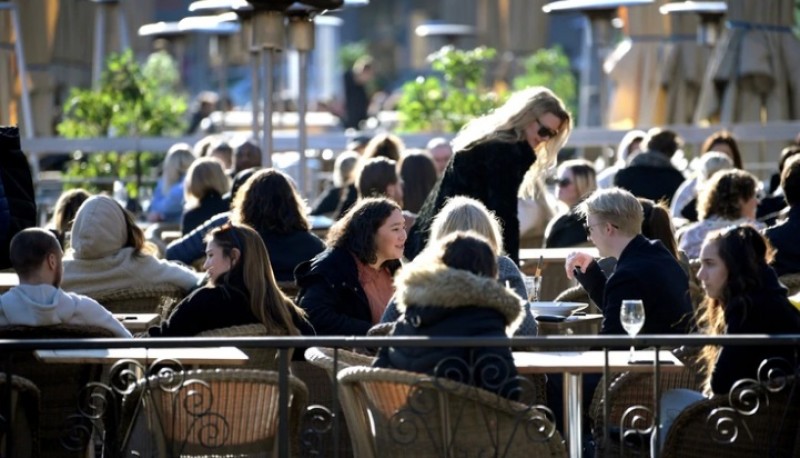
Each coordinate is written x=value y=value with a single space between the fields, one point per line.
x=544 y=131
x=588 y=227
x=563 y=182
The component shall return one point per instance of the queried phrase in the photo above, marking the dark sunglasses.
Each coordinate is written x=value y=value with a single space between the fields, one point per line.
x=544 y=131
x=564 y=182
x=588 y=228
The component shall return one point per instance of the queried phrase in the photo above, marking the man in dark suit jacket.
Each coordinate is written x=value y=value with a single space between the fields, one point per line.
x=651 y=174
x=785 y=236
x=645 y=269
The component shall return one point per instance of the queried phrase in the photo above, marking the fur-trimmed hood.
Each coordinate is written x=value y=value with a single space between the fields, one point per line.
x=436 y=285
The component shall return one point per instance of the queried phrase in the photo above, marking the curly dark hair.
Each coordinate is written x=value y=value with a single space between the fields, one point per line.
x=356 y=230
x=269 y=202
x=723 y=137
x=724 y=193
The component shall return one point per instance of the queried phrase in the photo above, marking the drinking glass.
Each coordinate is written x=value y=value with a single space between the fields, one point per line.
x=532 y=286
x=631 y=314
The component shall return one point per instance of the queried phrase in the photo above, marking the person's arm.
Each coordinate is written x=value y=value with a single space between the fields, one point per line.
x=502 y=200
x=191 y=247
x=593 y=281
x=94 y=314
x=319 y=300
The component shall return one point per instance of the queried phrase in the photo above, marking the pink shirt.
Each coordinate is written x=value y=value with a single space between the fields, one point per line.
x=378 y=286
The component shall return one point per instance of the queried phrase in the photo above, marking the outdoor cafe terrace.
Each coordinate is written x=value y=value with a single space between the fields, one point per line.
x=247 y=396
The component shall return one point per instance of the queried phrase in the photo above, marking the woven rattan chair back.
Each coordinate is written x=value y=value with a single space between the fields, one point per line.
x=421 y=416
x=258 y=358
x=755 y=420
x=23 y=418
x=214 y=412
x=59 y=385
x=157 y=298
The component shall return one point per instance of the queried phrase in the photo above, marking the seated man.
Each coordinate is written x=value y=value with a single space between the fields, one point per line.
x=39 y=300
x=645 y=269
x=783 y=236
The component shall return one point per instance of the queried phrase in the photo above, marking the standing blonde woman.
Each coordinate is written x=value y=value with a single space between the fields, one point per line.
x=496 y=156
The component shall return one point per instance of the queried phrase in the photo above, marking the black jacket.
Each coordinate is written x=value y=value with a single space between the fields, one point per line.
x=566 y=230
x=650 y=175
x=647 y=271
x=287 y=251
x=785 y=238
x=331 y=294
x=765 y=311
x=438 y=301
x=490 y=172
x=211 y=205
x=17 y=197
x=206 y=308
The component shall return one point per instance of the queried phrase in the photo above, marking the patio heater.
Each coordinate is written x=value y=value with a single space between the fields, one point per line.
x=449 y=34
x=220 y=30
x=102 y=8
x=593 y=101
x=233 y=10
x=19 y=54
x=711 y=13
x=301 y=38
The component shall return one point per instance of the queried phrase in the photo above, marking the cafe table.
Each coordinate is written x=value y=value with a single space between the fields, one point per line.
x=576 y=363
x=211 y=356
x=137 y=322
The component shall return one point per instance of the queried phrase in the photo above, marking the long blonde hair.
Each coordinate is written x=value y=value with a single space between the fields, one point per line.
x=507 y=124
x=177 y=162
x=462 y=214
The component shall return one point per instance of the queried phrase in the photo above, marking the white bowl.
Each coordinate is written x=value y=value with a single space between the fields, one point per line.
x=562 y=309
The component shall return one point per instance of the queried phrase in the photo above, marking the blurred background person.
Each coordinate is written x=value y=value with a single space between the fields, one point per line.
x=247 y=155
x=64 y=213
x=684 y=203
x=724 y=142
x=628 y=148
x=575 y=181
x=342 y=176
x=205 y=185
x=356 y=92
x=730 y=198
x=441 y=152
x=651 y=173
x=418 y=175
x=222 y=152
x=785 y=236
x=167 y=203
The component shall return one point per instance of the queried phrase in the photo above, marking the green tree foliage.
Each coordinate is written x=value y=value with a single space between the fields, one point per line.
x=445 y=103
x=550 y=68
x=126 y=103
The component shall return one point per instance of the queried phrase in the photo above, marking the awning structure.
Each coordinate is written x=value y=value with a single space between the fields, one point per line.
x=754 y=72
x=634 y=69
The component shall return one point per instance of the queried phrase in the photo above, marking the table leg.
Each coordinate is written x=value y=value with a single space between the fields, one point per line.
x=573 y=421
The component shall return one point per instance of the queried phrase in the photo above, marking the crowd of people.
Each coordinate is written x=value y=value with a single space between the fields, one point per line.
x=429 y=241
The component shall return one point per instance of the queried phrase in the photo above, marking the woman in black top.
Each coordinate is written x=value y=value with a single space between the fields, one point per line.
x=205 y=185
x=241 y=290
x=495 y=156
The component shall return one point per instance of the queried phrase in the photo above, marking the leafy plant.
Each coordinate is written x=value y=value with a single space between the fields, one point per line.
x=126 y=103
x=445 y=103
x=550 y=67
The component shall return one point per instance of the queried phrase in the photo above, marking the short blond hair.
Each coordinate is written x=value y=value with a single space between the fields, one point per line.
x=616 y=206
x=464 y=214
x=204 y=176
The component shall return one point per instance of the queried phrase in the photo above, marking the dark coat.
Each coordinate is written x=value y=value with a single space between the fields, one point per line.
x=192 y=247
x=328 y=201
x=206 y=308
x=286 y=251
x=566 y=231
x=212 y=204
x=765 y=311
x=438 y=301
x=331 y=294
x=785 y=238
x=490 y=172
x=650 y=175
x=647 y=271
x=17 y=196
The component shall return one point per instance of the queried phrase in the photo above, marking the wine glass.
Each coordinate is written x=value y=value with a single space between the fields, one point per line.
x=631 y=314
x=532 y=286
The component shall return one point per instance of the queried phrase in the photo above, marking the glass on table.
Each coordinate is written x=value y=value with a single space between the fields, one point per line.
x=532 y=286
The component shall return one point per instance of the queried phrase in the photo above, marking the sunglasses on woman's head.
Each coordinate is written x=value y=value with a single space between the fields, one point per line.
x=544 y=131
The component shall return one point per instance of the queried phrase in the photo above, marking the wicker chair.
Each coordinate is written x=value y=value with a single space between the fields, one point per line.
x=417 y=415
x=792 y=282
x=59 y=385
x=724 y=426
x=258 y=358
x=636 y=389
x=23 y=420
x=213 y=412
x=156 y=298
x=289 y=288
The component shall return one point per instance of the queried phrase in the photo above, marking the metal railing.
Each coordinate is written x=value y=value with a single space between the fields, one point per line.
x=323 y=426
